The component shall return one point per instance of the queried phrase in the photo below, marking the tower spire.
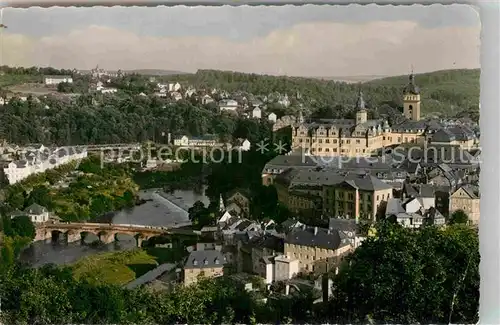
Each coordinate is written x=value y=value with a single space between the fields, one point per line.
x=360 y=103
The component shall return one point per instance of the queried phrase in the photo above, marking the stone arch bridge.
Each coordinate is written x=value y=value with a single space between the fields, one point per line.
x=105 y=232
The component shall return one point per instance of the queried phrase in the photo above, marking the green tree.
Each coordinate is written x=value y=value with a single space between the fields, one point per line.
x=40 y=195
x=22 y=226
x=405 y=276
x=458 y=217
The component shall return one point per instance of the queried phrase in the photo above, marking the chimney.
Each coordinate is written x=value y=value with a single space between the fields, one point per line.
x=356 y=205
x=315 y=231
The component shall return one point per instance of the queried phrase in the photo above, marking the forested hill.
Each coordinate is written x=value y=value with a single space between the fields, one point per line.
x=440 y=90
x=447 y=92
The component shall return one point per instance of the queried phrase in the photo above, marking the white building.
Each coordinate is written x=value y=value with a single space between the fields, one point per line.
x=413 y=212
x=109 y=90
x=174 y=87
x=55 y=80
x=36 y=212
x=38 y=161
x=206 y=100
x=285 y=268
x=256 y=113
x=279 y=268
x=228 y=105
x=243 y=144
x=176 y=95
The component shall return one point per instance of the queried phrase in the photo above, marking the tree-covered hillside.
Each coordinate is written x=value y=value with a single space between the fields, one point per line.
x=442 y=91
x=447 y=92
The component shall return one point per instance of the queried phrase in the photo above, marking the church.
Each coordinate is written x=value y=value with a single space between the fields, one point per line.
x=361 y=136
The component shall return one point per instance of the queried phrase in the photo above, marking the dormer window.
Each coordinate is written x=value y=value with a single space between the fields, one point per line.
x=205 y=262
x=195 y=262
x=216 y=261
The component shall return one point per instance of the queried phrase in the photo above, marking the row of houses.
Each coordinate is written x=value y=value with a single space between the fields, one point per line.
x=364 y=187
x=274 y=252
x=38 y=159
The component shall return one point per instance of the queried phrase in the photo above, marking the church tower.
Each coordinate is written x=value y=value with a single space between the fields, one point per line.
x=222 y=207
x=361 y=113
x=411 y=100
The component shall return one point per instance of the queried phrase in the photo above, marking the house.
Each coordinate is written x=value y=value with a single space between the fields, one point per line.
x=279 y=268
x=347 y=228
x=36 y=212
x=284 y=101
x=204 y=141
x=467 y=199
x=240 y=198
x=228 y=105
x=318 y=250
x=257 y=113
x=254 y=248
x=203 y=263
x=190 y=92
x=242 y=144
x=55 y=80
x=108 y=90
x=37 y=161
x=176 y=96
x=272 y=117
x=340 y=193
x=414 y=212
x=206 y=100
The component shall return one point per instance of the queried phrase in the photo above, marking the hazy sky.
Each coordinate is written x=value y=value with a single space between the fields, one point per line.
x=301 y=41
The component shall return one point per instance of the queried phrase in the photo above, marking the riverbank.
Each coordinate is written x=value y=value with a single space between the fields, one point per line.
x=121 y=268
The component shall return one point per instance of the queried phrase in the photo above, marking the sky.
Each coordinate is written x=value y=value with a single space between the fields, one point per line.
x=309 y=40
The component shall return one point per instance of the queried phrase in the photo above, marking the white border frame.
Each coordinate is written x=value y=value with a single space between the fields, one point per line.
x=489 y=302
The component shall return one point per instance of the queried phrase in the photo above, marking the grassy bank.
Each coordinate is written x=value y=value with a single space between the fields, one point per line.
x=122 y=267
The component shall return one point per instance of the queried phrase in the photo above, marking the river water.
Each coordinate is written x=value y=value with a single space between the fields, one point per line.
x=160 y=209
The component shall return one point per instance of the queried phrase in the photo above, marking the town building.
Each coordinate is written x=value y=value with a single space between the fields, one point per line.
x=467 y=199
x=414 y=212
x=364 y=137
x=204 y=141
x=38 y=161
x=257 y=112
x=318 y=250
x=203 y=263
x=272 y=117
x=357 y=195
x=240 y=198
x=228 y=105
x=55 y=80
x=36 y=213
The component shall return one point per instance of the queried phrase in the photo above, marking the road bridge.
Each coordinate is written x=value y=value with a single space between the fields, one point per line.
x=104 y=231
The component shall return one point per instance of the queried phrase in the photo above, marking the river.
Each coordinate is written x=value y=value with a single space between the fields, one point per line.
x=160 y=209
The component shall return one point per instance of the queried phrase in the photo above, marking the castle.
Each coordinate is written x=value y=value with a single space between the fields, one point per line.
x=361 y=136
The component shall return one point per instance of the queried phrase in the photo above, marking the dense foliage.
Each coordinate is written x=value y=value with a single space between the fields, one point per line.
x=448 y=91
x=403 y=276
x=52 y=296
x=116 y=120
x=398 y=276
x=76 y=192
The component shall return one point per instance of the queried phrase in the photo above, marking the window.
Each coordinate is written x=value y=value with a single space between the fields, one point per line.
x=327 y=141
x=358 y=141
x=320 y=141
x=335 y=141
